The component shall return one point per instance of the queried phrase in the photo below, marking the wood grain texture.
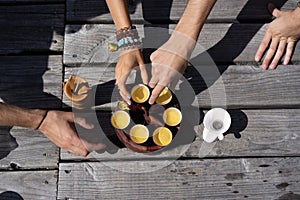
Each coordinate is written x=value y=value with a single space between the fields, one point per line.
x=156 y=11
x=265 y=178
x=253 y=133
x=224 y=43
x=31 y=81
x=22 y=148
x=28 y=28
x=234 y=86
x=245 y=86
x=28 y=185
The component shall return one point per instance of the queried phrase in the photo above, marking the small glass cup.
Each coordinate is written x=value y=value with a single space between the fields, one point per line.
x=140 y=93
x=162 y=136
x=120 y=119
x=216 y=122
x=164 y=97
x=78 y=91
x=172 y=116
x=139 y=133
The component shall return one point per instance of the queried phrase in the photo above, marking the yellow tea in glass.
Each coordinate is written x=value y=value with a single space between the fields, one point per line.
x=139 y=133
x=140 y=93
x=172 y=116
x=162 y=136
x=164 y=97
x=120 y=119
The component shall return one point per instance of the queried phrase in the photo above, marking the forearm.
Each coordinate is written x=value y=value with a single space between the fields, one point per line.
x=119 y=12
x=15 y=116
x=184 y=37
x=193 y=17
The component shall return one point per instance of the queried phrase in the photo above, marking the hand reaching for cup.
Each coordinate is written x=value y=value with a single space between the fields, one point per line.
x=167 y=69
x=282 y=35
x=59 y=127
x=169 y=63
x=129 y=60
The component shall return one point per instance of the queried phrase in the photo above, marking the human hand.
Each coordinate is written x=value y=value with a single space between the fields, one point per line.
x=169 y=63
x=167 y=69
x=59 y=127
x=282 y=33
x=128 y=60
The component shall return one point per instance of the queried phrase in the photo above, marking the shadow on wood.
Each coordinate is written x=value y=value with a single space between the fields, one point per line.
x=241 y=32
x=10 y=195
x=288 y=196
x=7 y=142
x=239 y=122
x=30 y=77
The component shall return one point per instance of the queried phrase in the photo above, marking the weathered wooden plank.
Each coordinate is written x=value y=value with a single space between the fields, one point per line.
x=234 y=86
x=248 y=87
x=224 y=42
x=255 y=133
x=157 y=11
x=252 y=133
x=31 y=81
x=28 y=185
x=29 y=28
x=24 y=149
x=252 y=178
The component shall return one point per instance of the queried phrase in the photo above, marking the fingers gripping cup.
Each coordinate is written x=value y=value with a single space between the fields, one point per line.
x=164 y=97
x=140 y=93
x=216 y=122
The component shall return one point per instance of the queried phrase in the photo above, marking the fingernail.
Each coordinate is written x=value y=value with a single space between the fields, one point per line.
x=272 y=66
x=91 y=126
x=256 y=58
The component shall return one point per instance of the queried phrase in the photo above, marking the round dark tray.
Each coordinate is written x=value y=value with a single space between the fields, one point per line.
x=150 y=116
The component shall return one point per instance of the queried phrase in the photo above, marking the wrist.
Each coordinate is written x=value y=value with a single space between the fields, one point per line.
x=41 y=120
x=297 y=10
x=128 y=38
x=296 y=15
x=36 y=116
x=180 y=44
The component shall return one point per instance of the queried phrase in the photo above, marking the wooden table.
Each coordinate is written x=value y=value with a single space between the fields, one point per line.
x=43 y=42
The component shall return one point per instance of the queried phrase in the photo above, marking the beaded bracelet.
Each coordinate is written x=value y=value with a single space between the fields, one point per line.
x=128 y=38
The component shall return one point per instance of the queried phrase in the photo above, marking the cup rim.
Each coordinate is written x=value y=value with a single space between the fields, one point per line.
x=67 y=89
x=169 y=99
x=137 y=86
x=172 y=108
x=120 y=111
x=155 y=133
x=147 y=133
x=226 y=116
